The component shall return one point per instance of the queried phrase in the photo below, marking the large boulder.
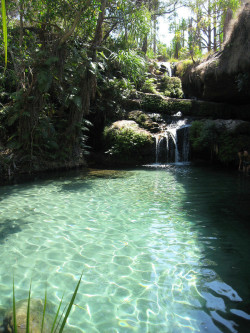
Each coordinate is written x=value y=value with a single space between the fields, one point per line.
x=127 y=143
x=225 y=75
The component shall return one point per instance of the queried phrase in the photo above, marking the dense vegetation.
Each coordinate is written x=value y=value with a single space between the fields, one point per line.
x=68 y=62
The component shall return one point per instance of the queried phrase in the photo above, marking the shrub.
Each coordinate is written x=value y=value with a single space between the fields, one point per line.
x=149 y=86
x=222 y=144
x=182 y=66
x=132 y=65
x=126 y=141
x=156 y=103
x=171 y=87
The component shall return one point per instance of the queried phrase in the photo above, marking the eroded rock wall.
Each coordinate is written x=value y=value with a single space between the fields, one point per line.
x=225 y=75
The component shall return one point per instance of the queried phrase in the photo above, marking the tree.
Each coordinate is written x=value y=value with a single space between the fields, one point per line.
x=208 y=25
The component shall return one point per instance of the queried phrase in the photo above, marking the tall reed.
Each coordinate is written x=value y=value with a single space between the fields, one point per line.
x=57 y=325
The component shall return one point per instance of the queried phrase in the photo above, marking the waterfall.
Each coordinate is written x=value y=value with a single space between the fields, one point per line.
x=165 y=66
x=172 y=144
x=158 y=140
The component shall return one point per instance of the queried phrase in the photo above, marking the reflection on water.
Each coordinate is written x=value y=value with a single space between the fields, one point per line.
x=161 y=249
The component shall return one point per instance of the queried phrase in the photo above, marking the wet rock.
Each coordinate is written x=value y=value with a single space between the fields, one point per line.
x=229 y=124
x=144 y=120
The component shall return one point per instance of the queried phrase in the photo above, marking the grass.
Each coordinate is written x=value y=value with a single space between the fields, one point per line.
x=58 y=325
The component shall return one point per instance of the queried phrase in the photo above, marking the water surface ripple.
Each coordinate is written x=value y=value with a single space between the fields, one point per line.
x=161 y=249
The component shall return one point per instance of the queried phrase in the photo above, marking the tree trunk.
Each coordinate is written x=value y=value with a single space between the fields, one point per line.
x=145 y=45
x=229 y=16
x=21 y=25
x=88 y=89
x=209 y=27
x=215 y=30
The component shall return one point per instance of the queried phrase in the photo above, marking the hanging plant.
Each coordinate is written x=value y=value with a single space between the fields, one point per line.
x=5 y=37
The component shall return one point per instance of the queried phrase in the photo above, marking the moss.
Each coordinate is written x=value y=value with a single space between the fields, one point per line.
x=156 y=103
x=149 y=86
x=143 y=120
x=127 y=142
x=181 y=67
x=170 y=87
x=139 y=117
x=222 y=145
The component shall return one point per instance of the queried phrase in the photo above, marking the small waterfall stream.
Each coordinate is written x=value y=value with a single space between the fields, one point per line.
x=172 y=143
x=166 y=67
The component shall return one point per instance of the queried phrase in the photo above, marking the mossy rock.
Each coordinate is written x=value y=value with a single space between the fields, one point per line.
x=170 y=86
x=143 y=120
x=219 y=140
x=160 y=104
x=149 y=86
x=126 y=141
x=182 y=66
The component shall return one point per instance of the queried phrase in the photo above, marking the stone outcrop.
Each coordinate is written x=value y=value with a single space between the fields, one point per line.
x=144 y=120
x=188 y=107
x=225 y=75
x=127 y=143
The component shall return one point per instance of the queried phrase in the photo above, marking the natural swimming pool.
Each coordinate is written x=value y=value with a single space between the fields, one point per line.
x=162 y=249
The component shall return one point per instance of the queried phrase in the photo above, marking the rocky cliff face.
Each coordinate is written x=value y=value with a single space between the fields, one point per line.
x=225 y=75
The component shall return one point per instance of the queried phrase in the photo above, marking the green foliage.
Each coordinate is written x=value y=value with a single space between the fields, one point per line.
x=171 y=87
x=163 y=50
x=149 y=86
x=181 y=67
x=220 y=143
x=126 y=142
x=138 y=116
x=5 y=36
x=118 y=88
x=132 y=65
x=195 y=135
x=203 y=135
x=156 y=103
x=60 y=326
x=202 y=30
x=227 y=148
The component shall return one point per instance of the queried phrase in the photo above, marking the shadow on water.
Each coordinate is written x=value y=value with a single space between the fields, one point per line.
x=78 y=180
x=81 y=181
x=218 y=204
x=8 y=227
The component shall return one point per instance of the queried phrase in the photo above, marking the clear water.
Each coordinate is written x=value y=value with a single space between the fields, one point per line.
x=161 y=249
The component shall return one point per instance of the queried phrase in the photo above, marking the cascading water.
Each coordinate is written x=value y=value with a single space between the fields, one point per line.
x=172 y=144
x=165 y=66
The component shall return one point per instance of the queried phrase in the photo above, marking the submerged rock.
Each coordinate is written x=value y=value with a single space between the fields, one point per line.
x=36 y=315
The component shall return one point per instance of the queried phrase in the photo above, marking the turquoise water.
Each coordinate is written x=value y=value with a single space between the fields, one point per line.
x=161 y=249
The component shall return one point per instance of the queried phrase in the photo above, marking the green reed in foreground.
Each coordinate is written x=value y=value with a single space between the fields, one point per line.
x=57 y=325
